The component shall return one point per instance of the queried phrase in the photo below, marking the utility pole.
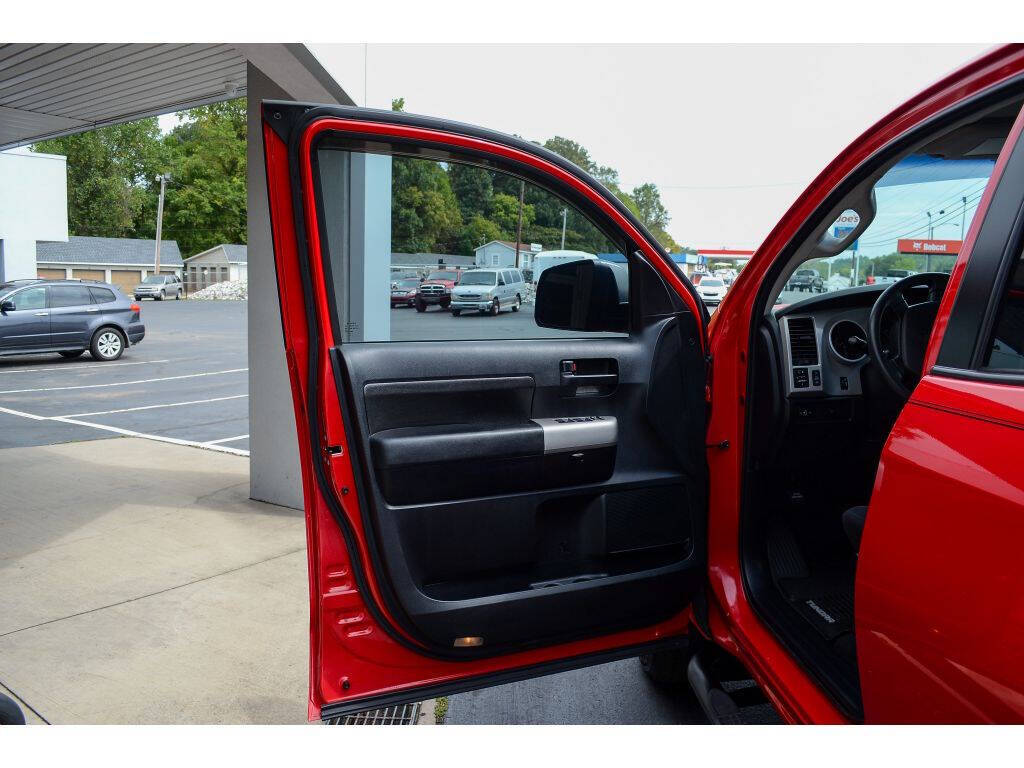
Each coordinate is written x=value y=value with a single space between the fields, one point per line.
x=565 y=214
x=159 y=223
x=930 y=229
x=519 y=227
x=963 y=219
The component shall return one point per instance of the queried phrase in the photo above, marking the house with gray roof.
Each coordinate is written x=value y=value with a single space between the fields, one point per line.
x=227 y=261
x=123 y=261
x=422 y=263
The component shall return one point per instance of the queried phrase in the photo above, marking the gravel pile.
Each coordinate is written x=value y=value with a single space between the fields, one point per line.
x=229 y=290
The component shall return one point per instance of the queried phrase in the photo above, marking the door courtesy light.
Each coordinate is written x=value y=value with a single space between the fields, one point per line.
x=468 y=642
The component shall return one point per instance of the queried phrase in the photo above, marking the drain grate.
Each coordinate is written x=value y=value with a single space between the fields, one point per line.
x=401 y=714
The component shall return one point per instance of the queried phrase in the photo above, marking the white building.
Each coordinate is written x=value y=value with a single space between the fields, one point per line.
x=502 y=253
x=33 y=208
x=227 y=261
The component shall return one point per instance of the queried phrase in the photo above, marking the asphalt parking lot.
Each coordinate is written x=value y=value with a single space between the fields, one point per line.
x=187 y=383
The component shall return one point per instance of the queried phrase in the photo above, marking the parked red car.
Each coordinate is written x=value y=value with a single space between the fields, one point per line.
x=824 y=495
x=437 y=289
x=403 y=292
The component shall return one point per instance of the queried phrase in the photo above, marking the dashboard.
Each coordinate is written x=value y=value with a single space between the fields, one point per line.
x=824 y=343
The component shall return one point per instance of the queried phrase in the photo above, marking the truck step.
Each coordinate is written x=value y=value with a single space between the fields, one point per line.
x=726 y=692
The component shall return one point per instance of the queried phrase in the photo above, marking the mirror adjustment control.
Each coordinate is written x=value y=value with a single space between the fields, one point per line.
x=800 y=378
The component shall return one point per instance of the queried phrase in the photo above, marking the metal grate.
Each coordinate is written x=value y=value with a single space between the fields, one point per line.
x=400 y=714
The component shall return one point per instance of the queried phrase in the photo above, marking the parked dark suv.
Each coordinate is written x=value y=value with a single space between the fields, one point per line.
x=67 y=317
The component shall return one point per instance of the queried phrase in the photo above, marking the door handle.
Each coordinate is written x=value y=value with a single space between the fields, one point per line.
x=591 y=379
x=93 y=309
x=41 y=314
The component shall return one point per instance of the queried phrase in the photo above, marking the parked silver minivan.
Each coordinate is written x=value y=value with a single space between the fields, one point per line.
x=490 y=291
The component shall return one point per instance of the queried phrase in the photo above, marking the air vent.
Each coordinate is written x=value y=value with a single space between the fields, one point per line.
x=803 y=346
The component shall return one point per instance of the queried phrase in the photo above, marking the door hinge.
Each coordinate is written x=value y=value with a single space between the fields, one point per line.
x=722 y=446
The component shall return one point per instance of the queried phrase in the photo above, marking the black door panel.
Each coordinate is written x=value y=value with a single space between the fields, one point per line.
x=508 y=506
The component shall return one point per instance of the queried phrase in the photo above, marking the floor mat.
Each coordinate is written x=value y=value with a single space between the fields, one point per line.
x=824 y=600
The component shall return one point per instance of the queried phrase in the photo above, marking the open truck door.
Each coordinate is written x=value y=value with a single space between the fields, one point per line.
x=488 y=497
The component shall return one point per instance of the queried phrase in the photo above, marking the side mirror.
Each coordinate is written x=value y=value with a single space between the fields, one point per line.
x=501 y=281
x=7 y=306
x=585 y=295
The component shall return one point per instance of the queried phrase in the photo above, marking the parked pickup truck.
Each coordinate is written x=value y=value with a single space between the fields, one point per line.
x=437 y=289
x=805 y=280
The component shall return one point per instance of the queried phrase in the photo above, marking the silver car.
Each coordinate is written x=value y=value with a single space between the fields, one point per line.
x=159 y=287
x=489 y=291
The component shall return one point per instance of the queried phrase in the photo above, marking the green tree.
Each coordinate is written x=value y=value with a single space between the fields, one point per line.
x=110 y=175
x=206 y=196
x=425 y=215
x=476 y=232
x=398 y=105
x=506 y=215
x=473 y=188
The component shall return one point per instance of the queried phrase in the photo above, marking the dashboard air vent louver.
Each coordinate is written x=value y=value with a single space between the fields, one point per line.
x=803 y=346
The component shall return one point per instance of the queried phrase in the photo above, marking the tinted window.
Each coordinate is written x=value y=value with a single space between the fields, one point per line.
x=69 y=296
x=1006 y=348
x=102 y=295
x=30 y=298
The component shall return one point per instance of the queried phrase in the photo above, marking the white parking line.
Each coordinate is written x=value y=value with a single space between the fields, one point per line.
x=24 y=415
x=211 y=446
x=226 y=440
x=122 y=383
x=157 y=438
x=149 y=407
x=74 y=367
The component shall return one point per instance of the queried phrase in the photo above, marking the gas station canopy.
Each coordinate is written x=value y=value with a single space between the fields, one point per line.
x=49 y=90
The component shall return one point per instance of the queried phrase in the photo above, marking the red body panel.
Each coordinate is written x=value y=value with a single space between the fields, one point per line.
x=796 y=695
x=940 y=591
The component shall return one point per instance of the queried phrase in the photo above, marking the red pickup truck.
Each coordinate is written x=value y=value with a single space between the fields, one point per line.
x=437 y=289
x=825 y=496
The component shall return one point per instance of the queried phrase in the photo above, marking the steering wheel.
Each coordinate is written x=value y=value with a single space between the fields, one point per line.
x=899 y=328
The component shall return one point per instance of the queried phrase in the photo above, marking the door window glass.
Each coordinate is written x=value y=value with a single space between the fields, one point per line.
x=102 y=295
x=69 y=296
x=1006 y=347
x=456 y=225
x=30 y=298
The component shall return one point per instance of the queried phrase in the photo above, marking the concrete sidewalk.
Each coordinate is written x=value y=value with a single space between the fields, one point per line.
x=139 y=584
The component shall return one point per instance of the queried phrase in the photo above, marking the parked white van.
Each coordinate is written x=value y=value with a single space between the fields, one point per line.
x=546 y=259
x=488 y=290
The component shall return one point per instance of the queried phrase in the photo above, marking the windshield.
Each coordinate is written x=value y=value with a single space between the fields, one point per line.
x=409 y=282
x=479 y=278
x=152 y=279
x=711 y=282
x=924 y=204
x=443 y=276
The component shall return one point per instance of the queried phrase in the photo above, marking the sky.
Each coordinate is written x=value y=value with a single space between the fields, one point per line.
x=731 y=134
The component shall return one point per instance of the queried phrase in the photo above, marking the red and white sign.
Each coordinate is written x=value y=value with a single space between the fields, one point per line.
x=929 y=246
